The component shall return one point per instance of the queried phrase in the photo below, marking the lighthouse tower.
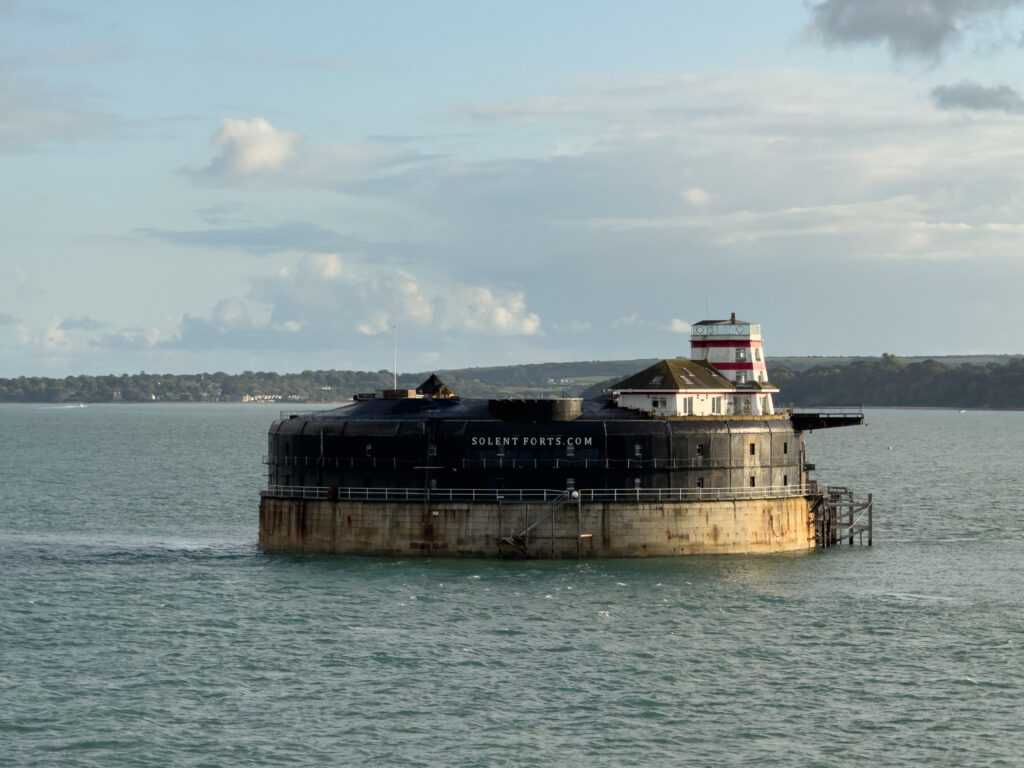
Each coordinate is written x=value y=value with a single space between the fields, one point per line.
x=733 y=348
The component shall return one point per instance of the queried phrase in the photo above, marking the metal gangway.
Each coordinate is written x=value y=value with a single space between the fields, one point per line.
x=840 y=515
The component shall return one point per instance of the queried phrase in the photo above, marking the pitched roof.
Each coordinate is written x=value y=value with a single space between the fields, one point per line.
x=434 y=387
x=676 y=375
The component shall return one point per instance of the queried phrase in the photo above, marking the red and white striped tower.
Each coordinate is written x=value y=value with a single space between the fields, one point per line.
x=733 y=348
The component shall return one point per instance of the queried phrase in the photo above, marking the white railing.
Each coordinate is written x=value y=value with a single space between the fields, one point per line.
x=522 y=495
x=499 y=461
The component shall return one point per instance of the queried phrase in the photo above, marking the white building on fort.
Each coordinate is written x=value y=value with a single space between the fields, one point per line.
x=725 y=375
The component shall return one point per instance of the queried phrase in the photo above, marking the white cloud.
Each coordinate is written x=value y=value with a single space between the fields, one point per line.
x=480 y=309
x=375 y=322
x=632 y=319
x=696 y=196
x=53 y=339
x=154 y=336
x=251 y=147
x=679 y=326
x=411 y=302
x=327 y=264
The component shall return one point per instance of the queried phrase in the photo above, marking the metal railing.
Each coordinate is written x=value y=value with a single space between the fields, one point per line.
x=528 y=495
x=500 y=462
x=827 y=410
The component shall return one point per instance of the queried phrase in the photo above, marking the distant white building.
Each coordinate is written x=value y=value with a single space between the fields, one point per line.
x=725 y=376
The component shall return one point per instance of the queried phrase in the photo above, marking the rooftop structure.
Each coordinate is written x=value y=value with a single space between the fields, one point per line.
x=726 y=375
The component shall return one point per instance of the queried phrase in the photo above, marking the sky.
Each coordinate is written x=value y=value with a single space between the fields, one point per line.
x=231 y=186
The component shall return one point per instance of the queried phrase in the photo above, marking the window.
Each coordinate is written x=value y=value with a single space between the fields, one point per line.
x=752 y=449
x=741 y=354
x=700 y=449
x=757 y=354
x=570 y=483
x=785 y=448
x=431 y=450
x=700 y=481
x=716 y=405
x=687 y=406
x=741 y=378
x=751 y=481
x=636 y=483
x=785 y=479
x=570 y=450
x=637 y=451
x=433 y=484
x=369 y=449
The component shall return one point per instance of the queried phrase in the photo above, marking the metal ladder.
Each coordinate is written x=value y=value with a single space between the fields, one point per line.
x=521 y=540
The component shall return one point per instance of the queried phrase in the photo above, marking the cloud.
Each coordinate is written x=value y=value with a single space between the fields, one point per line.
x=6 y=319
x=573 y=326
x=411 y=301
x=480 y=309
x=919 y=28
x=248 y=148
x=128 y=340
x=34 y=115
x=52 y=339
x=327 y=301
x=814 y=175
x=231 y=315
x=696 y=196
x=80 y=324
x=288 y=236
x=971 y=95
x=679 y=326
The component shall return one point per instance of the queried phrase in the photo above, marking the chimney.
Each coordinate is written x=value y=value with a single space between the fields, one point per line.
x=733 y=318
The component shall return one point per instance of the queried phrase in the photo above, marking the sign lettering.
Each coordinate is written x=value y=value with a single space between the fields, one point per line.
x=530 y=441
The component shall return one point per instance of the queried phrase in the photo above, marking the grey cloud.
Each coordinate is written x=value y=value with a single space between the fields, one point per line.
x=971 y=95
x=125 y=341
x=202 y=333
x=80 y=324
x=6 y=319
x=291 y=236
x=32 y=115
x=225 y=214
x=923 y=28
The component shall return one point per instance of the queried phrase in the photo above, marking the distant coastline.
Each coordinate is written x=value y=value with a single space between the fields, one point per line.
x=959 y=382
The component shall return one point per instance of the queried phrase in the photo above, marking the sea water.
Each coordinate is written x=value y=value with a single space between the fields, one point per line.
x=140 y=626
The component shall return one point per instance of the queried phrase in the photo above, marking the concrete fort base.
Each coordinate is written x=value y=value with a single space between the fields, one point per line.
x=516 y=530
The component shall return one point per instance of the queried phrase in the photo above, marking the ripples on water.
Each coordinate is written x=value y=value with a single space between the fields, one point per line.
x=140 y=627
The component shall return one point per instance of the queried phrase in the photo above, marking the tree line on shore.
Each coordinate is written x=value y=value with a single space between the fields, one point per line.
x=887 y=381
x=891 y=382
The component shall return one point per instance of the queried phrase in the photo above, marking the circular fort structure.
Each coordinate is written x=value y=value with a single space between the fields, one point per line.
x=682 y=458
